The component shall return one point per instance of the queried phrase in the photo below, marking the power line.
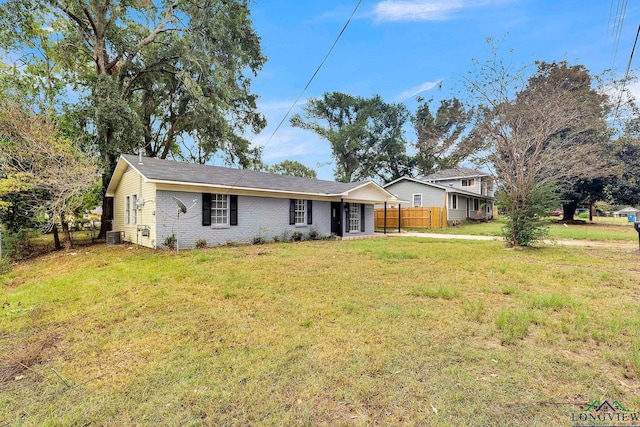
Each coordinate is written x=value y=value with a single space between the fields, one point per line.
x=306 y=86
x=626 y=74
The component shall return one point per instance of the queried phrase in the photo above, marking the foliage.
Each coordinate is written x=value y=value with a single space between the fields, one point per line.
x=201 y=243
x=539 y=130
x=296 y=236
x=366 y=135
x=44 y=172
x=527 y=220
x=170 y=241
x=292 y=168
x=441 y=142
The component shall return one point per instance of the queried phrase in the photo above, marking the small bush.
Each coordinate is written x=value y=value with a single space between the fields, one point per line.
x=584 y=215
x=170 y=241
x=259 y=240
x=314 y=234
x=276 y=239
x=201 y=243
x=296 y=236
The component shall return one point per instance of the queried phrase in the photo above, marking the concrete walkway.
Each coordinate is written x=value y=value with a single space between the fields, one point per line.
x=565 y=242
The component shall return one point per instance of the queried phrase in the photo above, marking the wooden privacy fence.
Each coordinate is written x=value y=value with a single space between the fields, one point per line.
x=427 y=217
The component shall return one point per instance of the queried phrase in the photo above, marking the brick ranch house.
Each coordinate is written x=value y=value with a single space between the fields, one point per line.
x=233 y=205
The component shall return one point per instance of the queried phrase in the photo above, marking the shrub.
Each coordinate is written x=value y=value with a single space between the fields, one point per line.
x=170 y=241
x=314 y=234
x=296 y=236
x=259 y=240
x=201 y=243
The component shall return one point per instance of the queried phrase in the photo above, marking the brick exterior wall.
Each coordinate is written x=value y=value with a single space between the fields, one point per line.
x=265 y=217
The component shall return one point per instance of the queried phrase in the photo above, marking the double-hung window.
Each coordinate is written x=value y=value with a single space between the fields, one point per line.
x=417 y=200
x=300 y=212
x=130 y=210
x=354 y=217
x=219 y=209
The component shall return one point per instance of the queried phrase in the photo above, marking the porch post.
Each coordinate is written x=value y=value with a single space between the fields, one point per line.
x=341 y=218
x=385 y=218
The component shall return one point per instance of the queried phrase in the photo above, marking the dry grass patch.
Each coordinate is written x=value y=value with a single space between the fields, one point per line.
x=370 y=332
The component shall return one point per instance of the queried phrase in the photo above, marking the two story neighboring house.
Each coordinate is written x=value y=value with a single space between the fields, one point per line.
x=464 y=192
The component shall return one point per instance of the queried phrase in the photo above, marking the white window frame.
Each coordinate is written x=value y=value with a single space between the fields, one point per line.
x=354 y=218
x=134 y=209
x=127 y=210
x=454 y=201
x=413 y=200
x=131 y=209
x=300 y=212
x=219 y=210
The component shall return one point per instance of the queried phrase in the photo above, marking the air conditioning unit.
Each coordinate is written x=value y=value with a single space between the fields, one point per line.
x=115 y=237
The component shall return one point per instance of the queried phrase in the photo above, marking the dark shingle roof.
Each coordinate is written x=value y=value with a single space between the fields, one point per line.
x=453 y=173
x=191 y=173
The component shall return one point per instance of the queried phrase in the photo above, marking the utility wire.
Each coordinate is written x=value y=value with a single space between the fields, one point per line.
x=306 y=86
x=626 y=74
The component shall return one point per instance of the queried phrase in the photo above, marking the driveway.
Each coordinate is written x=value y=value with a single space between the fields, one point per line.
x=566 y=242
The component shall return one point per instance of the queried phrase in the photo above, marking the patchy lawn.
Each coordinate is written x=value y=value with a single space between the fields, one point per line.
x=580 y=230
x=372 y=332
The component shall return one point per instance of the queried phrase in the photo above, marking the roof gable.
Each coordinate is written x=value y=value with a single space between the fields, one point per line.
x=454 y=173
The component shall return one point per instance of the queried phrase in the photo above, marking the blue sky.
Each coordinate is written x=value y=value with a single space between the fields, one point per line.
x=396 y=48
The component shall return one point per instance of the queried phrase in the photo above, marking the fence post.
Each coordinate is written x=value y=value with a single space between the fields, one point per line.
x=399 y=218
x=385 y=218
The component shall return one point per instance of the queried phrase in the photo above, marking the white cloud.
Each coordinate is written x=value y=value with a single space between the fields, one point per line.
x=425 y=10
x=410 y=93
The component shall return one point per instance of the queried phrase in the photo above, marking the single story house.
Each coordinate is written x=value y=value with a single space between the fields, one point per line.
x=624 y=213
x=232 y=205
x=465 y=193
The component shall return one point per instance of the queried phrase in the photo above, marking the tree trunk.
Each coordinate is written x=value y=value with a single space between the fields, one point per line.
x=569 y=210
x=56 y=238
x=66 y=235
x=106 y=221
x=590 y=211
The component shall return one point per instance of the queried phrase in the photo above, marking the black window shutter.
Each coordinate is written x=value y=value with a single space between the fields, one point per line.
x=346 y=216
x=206 y=209
x=292 y=212
x=362 y=217
x=233 y=210
x=309 y=212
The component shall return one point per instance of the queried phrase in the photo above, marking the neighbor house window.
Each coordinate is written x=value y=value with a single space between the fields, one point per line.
x=417 y=200
x=354 y=217
x=468 y=182
x=219 y=209
x=454 y=201
x=300 y=212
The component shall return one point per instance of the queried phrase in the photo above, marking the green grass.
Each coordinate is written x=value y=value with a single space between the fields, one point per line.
x=372 y=332
x=599 y=231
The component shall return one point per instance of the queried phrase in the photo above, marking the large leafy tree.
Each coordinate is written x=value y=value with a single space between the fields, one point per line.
x=161 y=74
x=441 y=138
x=366 y=135
x=540 y=130
x=292 y=168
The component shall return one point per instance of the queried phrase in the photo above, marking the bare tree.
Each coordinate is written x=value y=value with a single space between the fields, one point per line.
x=539 y=132
x=49 y=169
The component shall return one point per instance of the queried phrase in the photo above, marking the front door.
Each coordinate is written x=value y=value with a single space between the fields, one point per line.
x=336 y=219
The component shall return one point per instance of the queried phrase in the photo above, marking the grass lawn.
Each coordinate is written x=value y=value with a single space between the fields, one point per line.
x=394 y=331
x=597 y=230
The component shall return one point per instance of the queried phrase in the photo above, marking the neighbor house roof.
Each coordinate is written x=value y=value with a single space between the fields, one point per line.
x=453 y=173
x=627 y=210
x=446 y=188
x=174 y=172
